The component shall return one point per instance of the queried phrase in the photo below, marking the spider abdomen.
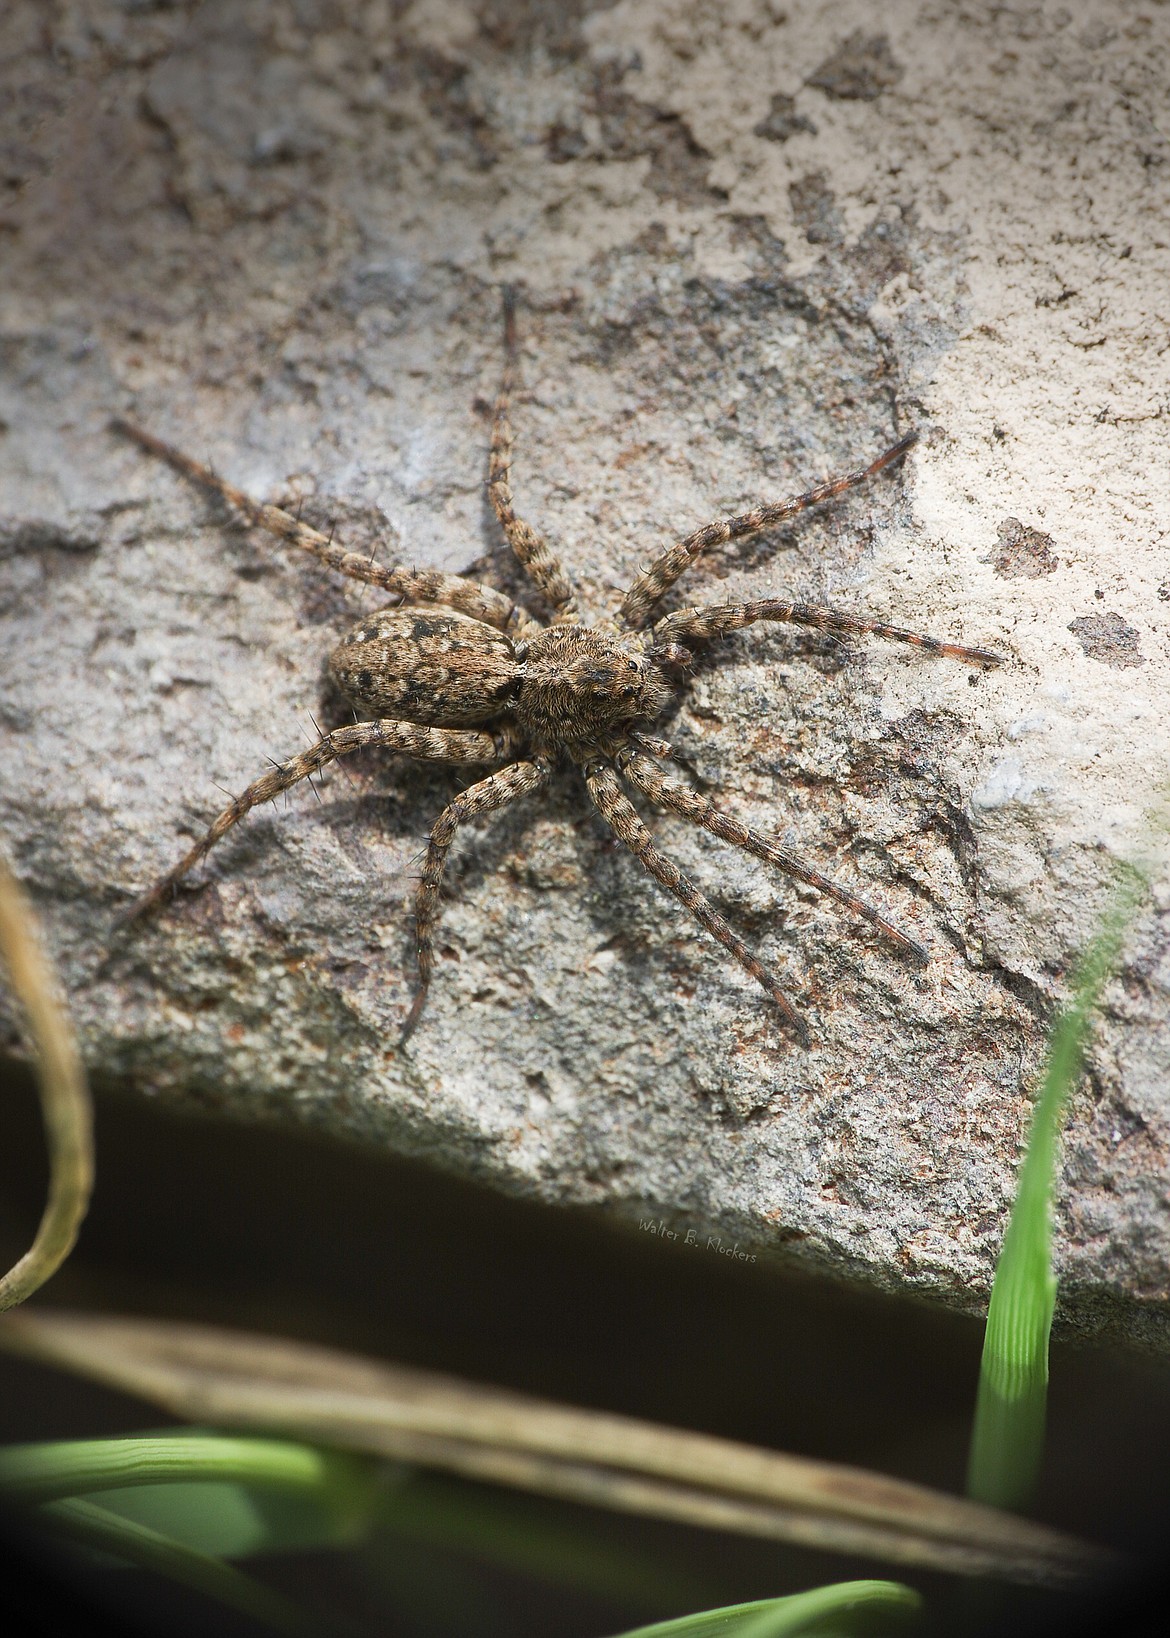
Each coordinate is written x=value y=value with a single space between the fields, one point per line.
x=426 y=665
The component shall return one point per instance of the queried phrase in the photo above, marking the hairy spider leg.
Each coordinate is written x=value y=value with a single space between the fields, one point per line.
x=535 y=555
x=487 y=796
x=654 y=581
x=408 y=738
x=650 y=780
x=626 y=824
x=700 y=625
x=654 y=746
x=412 y=585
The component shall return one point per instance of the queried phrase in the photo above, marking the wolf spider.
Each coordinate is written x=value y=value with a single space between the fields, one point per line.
x=456 y=672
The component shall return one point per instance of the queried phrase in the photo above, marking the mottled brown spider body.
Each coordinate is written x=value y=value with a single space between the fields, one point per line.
x=427 y=665
x=567 y=687
x=458 y=673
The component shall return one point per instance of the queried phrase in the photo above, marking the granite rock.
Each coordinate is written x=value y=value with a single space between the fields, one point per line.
x=276 y=235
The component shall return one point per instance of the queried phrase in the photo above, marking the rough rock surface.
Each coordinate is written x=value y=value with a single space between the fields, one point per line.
x=757 y=242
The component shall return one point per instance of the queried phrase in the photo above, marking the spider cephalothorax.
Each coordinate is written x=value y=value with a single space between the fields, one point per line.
x=580 y=687
x=458 y=673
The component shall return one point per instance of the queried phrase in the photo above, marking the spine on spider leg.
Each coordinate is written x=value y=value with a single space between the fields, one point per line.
x=630 y=830
x=532 y=550
x=701 y=811
x=190 y=468
x=413 y=585
x=413 y=739
x=278 y=522
x=701 y=625
x=487 y=795
x=279 y=778
x=166 y=886
x=273 y=518
x=656 y=579
x=500 y=462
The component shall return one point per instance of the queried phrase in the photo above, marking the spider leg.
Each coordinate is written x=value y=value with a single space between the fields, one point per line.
x=408 y=738
x=647 y=778
x=536 y=557
x=413 y=585
x=698 y=625
x=488 y=795
x=629 y=829
x=654 y=746
x=665 y=570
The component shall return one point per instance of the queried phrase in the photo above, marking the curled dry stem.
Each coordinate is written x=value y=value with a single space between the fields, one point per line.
x=65 y=1101
x=393 y=1411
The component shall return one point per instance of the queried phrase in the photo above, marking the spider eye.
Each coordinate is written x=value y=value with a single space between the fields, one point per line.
x=632 y=665
x=629 y=692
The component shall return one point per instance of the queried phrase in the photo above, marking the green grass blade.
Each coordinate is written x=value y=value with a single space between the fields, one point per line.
x=214 y=1493
x=1007 y=1441
x=65 y=1467
x=843 y=1608
x=97 y=1529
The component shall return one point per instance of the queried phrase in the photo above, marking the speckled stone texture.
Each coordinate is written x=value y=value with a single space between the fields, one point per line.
x=756 y=243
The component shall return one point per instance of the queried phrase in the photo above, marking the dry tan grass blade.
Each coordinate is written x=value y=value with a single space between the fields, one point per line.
x=237 y=1380
x=64 y=1096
